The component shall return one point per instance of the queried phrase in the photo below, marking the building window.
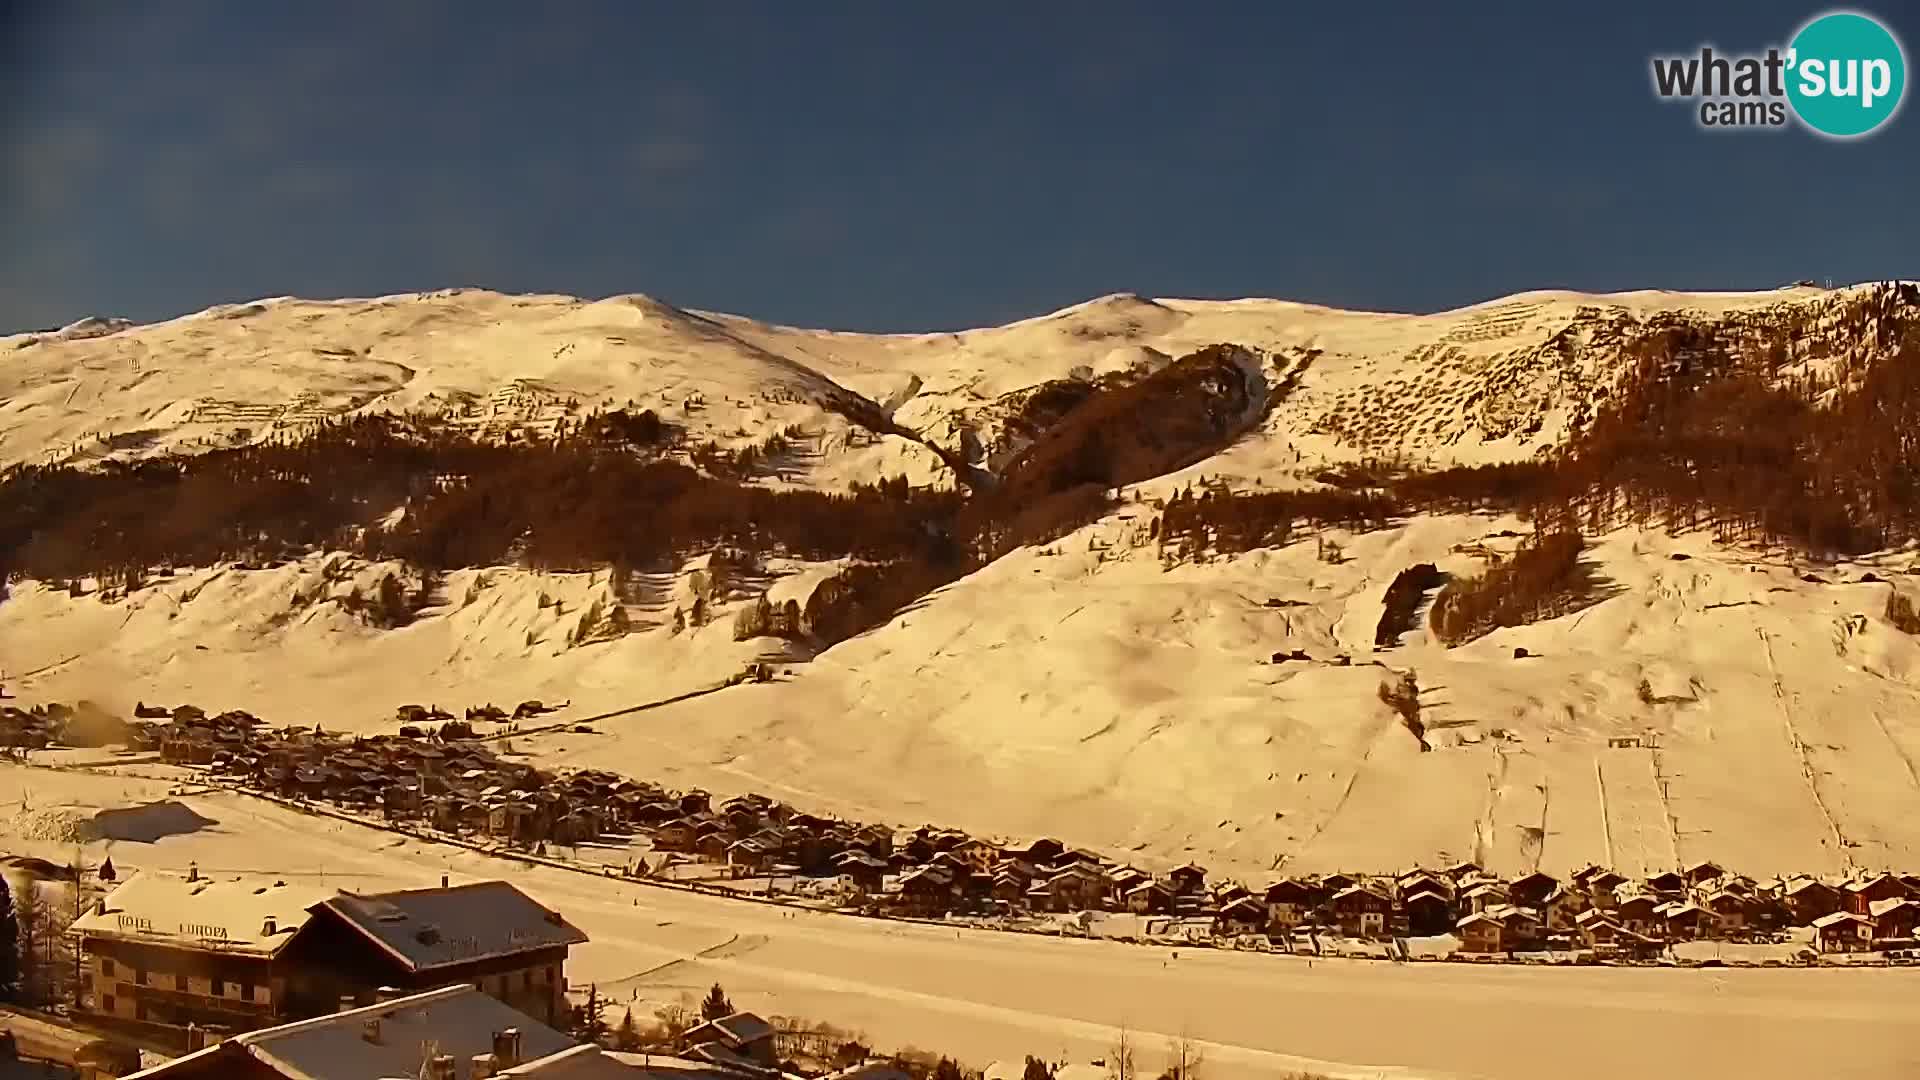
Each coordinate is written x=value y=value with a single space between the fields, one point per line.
x=219 y=986
x=246 y=991
x=140 y=976
x=106 y=966
x=180 y=983
x=139 y=1010
x=106 y=1004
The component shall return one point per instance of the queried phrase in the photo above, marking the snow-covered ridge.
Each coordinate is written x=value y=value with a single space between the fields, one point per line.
x=1493 y=381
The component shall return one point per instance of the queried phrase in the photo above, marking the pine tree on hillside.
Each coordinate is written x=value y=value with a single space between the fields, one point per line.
x=9 y=946
x=1036 y=1070
x=716 y=1004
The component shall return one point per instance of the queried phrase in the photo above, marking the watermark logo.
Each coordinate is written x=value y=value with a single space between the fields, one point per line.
x=1843 y=75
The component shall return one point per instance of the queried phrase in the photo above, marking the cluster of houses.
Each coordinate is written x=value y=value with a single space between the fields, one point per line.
x=460 y=786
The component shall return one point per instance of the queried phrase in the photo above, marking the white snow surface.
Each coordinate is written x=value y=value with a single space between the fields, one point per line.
x=985 y=996
x=1084 y=691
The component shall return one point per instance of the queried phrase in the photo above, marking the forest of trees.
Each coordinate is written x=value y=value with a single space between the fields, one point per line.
x=1708 y=431
x=1544 y=579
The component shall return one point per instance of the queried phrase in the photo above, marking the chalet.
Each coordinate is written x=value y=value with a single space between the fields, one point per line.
x=1245 y=915
x=874 y=840
x=1640 y=913
x=1701 y=873
x=1562 y=906
x=1596 y=927
x=1485 y=895
x=472 y=1035
x=1289 y=902
x=1685 y=921
x=1188 y=880
x=1608 y=938
x=1041 y=852
x=1532 y=890
x=1808 y=899
x=489 y=934
x=1861 y=895
x=1667 y=883
x=754 y=855
x=400 y=800
x=1333 y=883
x=927 y=890
x=1417 y=881
x=1462 y=869
x=863 y=869
x=1482 y=933
x=1843 y=932
x=1361 y=911
x=674 y=836
x=162 y=952
x=978 y=855
x=1731 y=911
x=1894 y=920
x=1010 y=890
x=1428 y=914
x=742 y=1041
x=1078 y=887
x=1123 y=880
x=1227 y=892
x=1077 y=855
x=1523 y=926
x=1603 y=886
x=1150 y=898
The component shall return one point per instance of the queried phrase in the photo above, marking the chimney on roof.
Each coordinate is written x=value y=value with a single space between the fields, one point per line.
x=441 y=1067
x=268 y=927
x=348 y=1003
x=482 y=1067
x=100 y=906
x=193 y=871
x=370 y=1030
x=443 y=881
x=506 y=1048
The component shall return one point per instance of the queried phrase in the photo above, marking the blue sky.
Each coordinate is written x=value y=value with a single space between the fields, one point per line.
x=906 y=167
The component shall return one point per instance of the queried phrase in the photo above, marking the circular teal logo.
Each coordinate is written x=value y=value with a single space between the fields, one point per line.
x=1846 y=74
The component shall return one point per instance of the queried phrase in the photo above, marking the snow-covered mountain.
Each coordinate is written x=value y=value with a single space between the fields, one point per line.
x=1721 y=702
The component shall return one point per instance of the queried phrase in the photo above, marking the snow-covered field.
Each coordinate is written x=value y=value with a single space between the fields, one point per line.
x=1094 y=696
x=987 y=996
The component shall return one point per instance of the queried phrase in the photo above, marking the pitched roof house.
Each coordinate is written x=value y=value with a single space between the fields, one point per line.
x=459 y=1023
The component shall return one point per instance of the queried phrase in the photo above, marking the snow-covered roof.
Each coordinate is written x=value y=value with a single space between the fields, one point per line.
x=1837 y=917
x=386 y=1039
x=229 y=914
x=430 y=928
x=735 y=1030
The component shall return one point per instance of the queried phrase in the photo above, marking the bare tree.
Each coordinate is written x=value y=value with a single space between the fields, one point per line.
x=1184 y=1058
x=1120 y=1057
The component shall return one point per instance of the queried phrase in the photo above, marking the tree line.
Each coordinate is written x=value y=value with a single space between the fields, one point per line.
x=1711 y=428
